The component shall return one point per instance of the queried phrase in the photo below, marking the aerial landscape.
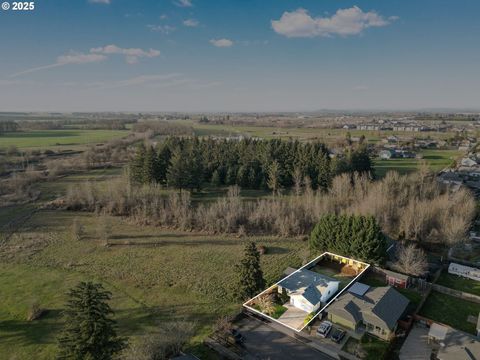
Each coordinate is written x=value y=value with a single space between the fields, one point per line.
x=269 y=180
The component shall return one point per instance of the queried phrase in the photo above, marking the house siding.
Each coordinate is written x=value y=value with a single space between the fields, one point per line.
x=340 y=321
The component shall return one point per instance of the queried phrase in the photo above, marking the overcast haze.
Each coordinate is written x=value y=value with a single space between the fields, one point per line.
x=243 y=55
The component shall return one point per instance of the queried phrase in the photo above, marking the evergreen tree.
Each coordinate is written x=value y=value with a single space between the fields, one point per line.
x=136 y=166
x=250 y=274
x=216 y=180
x=149 y=166
x=274 y=177
x=89 y=332
x=357 y=236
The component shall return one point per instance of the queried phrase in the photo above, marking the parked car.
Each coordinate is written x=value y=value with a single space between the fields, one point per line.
x=324 y=329
x=337 y=335
x=237 y=336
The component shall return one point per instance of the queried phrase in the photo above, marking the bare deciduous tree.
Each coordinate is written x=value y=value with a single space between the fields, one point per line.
x=411 y=260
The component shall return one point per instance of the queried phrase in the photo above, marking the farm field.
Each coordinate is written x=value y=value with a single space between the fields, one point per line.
x=57 y=139
x=327 y=135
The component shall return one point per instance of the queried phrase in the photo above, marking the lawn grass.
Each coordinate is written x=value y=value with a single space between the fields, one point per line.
x=459 y=283
x=21 y=285
x=450 y=311
x=279 y=310
x=56 y=139
x=375 y=348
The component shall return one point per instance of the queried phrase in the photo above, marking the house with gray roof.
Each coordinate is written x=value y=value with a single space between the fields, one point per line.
x=308 y=290
x=377 y=311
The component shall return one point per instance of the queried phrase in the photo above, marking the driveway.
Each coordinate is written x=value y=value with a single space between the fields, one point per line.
x=263 y=342
x=293 y=317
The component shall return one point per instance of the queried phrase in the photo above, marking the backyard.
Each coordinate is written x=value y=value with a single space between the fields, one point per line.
x=459 y=283
x=451 y=311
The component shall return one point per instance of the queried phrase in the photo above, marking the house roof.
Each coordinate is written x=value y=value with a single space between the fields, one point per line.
x=381 y=306
x=459 y=346
x=311 y=294
x=303 y=278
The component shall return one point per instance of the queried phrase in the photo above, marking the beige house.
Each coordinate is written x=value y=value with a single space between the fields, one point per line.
x=374 y=310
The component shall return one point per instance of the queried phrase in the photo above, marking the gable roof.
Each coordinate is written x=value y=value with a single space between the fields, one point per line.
x=311 y=294
x=381 y=306
x=303 y=278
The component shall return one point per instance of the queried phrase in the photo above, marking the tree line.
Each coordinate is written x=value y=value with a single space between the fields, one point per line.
x=187 y=163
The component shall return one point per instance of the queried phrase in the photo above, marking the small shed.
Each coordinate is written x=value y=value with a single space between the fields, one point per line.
x=396 y=279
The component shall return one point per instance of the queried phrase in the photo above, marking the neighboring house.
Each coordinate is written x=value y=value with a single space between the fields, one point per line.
x=468 y=162
x=375 y=310
x=465 y=271
x=308 y=290
x=459 y=346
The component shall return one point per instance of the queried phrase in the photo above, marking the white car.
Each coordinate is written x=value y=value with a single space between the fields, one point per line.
x=324 y=329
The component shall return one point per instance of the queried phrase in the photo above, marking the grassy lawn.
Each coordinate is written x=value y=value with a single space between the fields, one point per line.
x=279 y=310
x=450 y=311
x=459 y=283
x=178 y=275
x=374 y=348
x=369 y=348
x=53 y=139
x=21 y=285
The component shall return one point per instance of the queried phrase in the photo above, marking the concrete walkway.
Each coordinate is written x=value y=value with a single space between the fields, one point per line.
x=293 y=317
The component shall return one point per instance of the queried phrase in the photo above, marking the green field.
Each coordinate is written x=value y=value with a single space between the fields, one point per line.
x=436 y=159
x=450 y=311
x=53 y=139
x=155 y=275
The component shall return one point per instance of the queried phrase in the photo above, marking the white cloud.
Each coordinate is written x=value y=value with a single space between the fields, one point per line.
x=190 y=22
x=164 y=29
x=106 y=2
x=183 y=3
x=95 y=55
x=70 y=58
x=221 y=42
x=345 y=22
x=131 y=54
x=163 y=17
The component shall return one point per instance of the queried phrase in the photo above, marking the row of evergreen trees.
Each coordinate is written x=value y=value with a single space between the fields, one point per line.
x=359 y=237
x=257 y=164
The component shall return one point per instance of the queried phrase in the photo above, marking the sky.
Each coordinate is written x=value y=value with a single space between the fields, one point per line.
x=240 y=55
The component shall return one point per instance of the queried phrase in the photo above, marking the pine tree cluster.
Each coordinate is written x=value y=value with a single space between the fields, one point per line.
x=256 y=164
x=359 y=237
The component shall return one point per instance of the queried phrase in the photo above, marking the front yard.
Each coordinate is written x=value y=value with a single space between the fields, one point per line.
x=450 y=311
x=459 y=283
x=369 y=348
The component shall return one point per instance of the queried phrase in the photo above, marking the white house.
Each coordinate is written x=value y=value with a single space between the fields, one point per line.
x=308 y=290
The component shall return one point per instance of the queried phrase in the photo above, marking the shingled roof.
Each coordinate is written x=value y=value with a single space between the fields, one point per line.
x=381 y=306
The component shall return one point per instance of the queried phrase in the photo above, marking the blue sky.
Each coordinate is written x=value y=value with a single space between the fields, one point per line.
x=242 y=55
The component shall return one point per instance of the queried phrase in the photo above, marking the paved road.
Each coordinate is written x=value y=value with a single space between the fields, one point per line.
x=263 y=342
